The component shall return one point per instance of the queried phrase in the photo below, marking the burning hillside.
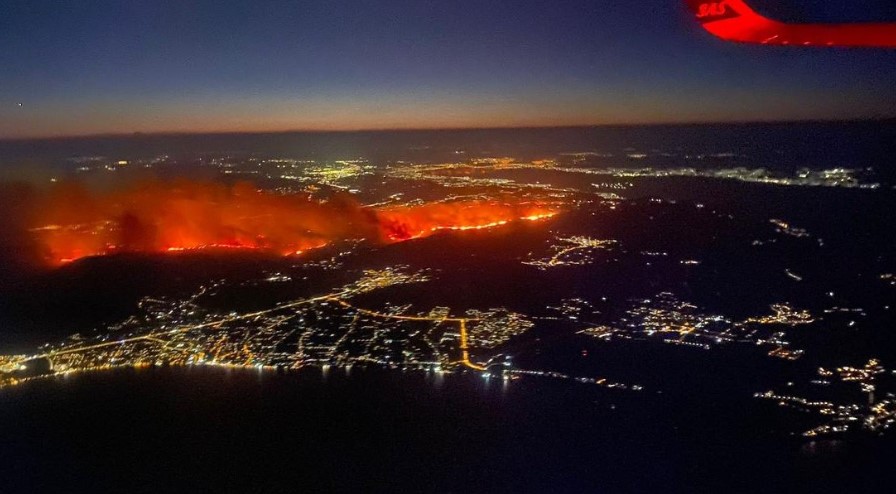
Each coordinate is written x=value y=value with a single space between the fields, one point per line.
x=71 y=222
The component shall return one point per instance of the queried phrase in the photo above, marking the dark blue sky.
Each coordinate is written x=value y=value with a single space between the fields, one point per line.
x=96 y=67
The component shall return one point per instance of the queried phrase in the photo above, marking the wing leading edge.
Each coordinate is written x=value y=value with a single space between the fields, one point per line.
x=734 y=20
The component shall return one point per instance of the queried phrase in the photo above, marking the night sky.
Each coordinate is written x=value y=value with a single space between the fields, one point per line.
x=118 y=67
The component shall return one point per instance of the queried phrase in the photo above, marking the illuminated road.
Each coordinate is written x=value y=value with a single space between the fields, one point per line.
x=185 y=329
x=397 y=316
x=462 y=327
x=465 y=354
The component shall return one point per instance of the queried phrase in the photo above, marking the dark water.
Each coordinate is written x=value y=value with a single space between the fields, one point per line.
x=209 y=430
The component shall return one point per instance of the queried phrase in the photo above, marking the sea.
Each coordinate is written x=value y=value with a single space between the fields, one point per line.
x=373 y=430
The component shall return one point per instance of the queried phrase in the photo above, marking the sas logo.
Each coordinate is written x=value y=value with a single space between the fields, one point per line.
x=712 y=10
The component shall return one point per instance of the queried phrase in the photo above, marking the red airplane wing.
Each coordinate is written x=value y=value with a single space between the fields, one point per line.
x=734 y=20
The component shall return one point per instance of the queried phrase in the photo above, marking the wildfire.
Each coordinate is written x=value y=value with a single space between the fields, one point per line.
x=409 y=223
x=70 y=223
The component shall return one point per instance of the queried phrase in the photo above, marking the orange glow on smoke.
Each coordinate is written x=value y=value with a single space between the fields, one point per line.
x=70 y=223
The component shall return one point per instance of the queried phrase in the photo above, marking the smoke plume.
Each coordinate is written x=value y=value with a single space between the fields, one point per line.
x=71 y=221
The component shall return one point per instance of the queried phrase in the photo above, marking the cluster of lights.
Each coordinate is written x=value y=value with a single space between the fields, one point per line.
x=572 y=251
x=681 y=323
x=875 y=416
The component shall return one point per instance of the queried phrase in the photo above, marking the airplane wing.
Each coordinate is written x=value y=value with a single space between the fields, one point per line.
x=734 y=20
